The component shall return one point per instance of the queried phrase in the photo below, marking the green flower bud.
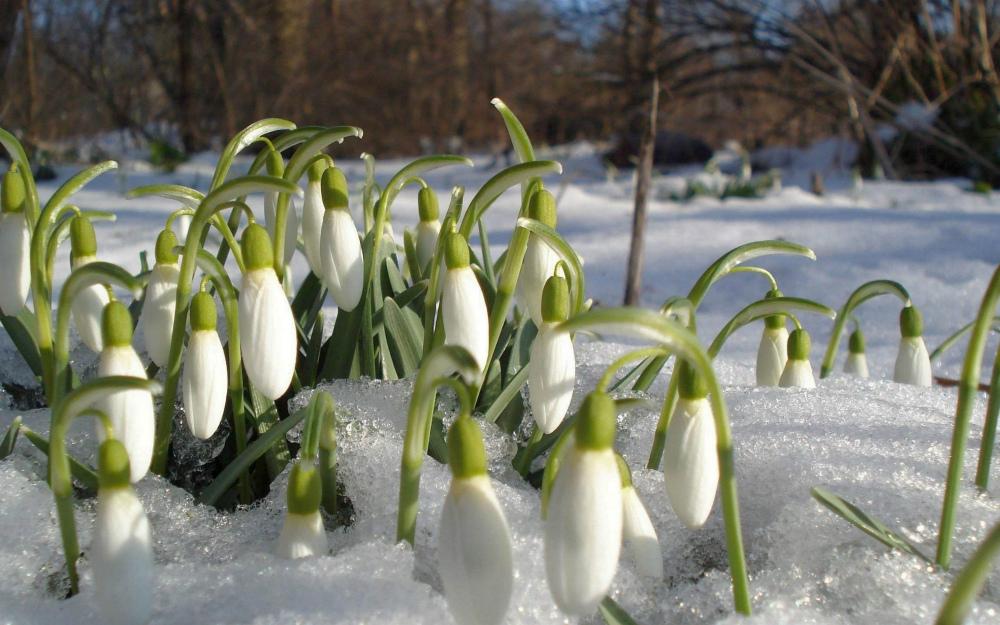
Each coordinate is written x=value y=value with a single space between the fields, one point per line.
x=203 y=315
x=305 y=488
x=690 y=385
x=112 y=465
x=911 y=322
x=257 y=250
x=116 y=325
x=83 y=241
x=774 y=322
x=542 y=207
x=856 y=342
x=275 y=166
x=427 y=204
x=316 y=170
x=334 y=188
x=12 y=196
x=555 y=300
x=456 y=251
x=596 y=423
x=165 y=244
x=799 y=344
x=466 y=453
x=623 y=471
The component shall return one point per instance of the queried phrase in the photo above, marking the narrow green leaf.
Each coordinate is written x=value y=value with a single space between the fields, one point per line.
x=860 y=295
x=10 y=438
x=509 y=392
x=179 y=193
x=77 y=182
x=265 y=414
x=499 y=183
x=721 y=267
x=81 y=472
x=243 y=139
x=19 y=330
x=405 y=335
x=614 y=614
x=341 y=346
x=764 y=308
x=410 y=251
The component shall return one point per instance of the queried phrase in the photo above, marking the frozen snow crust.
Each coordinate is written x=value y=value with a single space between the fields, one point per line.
x=880 y=445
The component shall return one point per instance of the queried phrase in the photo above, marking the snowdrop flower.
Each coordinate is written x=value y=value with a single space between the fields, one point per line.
x=552 y=373
x=161 y=298
x=429 y=226
x=798 y=372
x=131 y=412
x=343 y=265
x=88 y=305
x=539 y=258
x=463 y=309
x=773 y=350
x=122 y=548
x=15 y=244
x=275 y=168
x=474 y=547
x=637 y=529
x=312 y=217
x=583 y=528
x=302 y=534
x=691 y=463
x=856 y=363
x=267 y=328
x=205 y=380
x=913 y=364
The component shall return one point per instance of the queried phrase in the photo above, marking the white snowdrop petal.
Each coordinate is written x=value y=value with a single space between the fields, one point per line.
x=856 y=364
x=291 y=223
x=312 y=224
x=267 y=333
x=474 y=553
x=640 y=535
x=205 y=383
x=427 y=236
x=913 y=364
x=539 y=264
x=341 y=258
x=691 y=464
x=583 y=530
x=797 y=374
x=121 y=554
x=158 y=311
x=87 y=308
x=466 y=321
x=772 y=353
x=15 y=258
x=302 y=535
x=551 y=377
x=132 y=415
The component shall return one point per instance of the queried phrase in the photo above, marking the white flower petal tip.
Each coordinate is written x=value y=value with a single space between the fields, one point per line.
x=466 y=321
x=205 y=383
x=312 y=225
x=691 y=463
x=856 y=364
x=341 y=259
x=797 y=374
x=427 y=236
x=772 y=354
x=87 y=308
x=122 y=557
x=551 y=377
x=913 y=364
x=15 y=258
x=583 y=530
x=539 y=264
x=158 y=311
x=302 y=536
x=640 y=536
x=132 y=415
x=267 y=333
x=475 y=557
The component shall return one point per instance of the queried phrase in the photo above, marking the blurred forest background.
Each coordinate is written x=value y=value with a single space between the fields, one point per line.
x=914 y=82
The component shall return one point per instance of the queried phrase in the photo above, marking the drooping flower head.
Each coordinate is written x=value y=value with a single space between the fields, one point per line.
x=131 y=412
x=343 y=265
x=122 y=549
x=429 y=226
x=161 y=298
x=913 y=363
x=312 y=216
x=772 y=354
x=463 y=308
x=474 y=546
x=205 y=374
x=15 y=244
x=798 y=371
x=637 y=528
x=583 y=528
x=268 y=339
x=302 y=534
x=691 y=464
x=88 y=305
x=552 y=373
x=539 y=258
x=856 y=363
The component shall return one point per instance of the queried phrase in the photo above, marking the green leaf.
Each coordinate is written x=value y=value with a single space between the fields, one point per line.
x=405 y=336
x=764 y=308
x=265 y=442
x=10 y=438
x=499 y=183
x=341 y=346
x=19 y=330
x=305 y=298
x=860 y=295
x=83 y=474
x=185 y=195
x=314 y=145
x=410 y=251
x=614 y=614
x=243 y=139
x=77 y=182
x=509 y=392
x=265 y=414
x=867 y=524
x=724 y=265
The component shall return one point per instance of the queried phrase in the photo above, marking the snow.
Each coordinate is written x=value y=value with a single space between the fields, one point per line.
x=880 y=445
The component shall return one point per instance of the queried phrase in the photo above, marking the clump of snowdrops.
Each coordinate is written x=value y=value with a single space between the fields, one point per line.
x=433 y=308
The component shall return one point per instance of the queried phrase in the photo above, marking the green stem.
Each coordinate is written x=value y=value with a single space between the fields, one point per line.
x=967 y=388
x=660 y=434
x=970 y=581
x=955 y=336
x=860 y=295
x=989 y=427
x=612 y=369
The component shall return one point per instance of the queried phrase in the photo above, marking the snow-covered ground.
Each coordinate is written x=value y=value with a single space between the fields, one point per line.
x=881 y=445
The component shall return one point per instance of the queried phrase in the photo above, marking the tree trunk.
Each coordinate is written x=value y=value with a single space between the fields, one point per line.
x=643 y=175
